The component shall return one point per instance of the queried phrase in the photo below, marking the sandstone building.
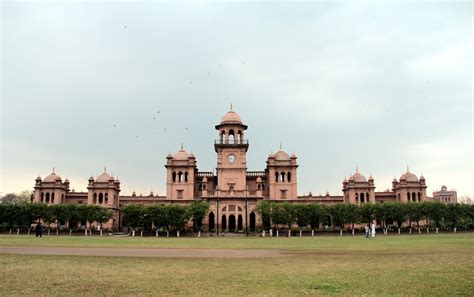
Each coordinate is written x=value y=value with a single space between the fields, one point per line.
x=232 y=192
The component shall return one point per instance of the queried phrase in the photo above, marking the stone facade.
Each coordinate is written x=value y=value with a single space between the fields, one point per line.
x=232 y=192
x=445 y=196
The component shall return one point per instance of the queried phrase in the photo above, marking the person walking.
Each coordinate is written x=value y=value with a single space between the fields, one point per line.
x=39 y=230
x=366 y=231
x=373 y=230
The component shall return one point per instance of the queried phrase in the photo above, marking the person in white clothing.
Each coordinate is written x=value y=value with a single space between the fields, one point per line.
x=373 y=230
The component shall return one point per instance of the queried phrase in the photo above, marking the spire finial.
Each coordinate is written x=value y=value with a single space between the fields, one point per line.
x=408 y=169
x=280 y=145
x=105 y=168
x=181 y=145
x=231 y=106
x=357 y=169
x=54 y=170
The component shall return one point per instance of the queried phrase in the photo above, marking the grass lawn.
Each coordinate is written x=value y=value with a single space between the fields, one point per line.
x=394 y=265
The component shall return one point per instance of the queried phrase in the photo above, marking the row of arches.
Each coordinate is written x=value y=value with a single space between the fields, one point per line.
x=282 y=177
x=102 y=198
x=362 y=198
x=231 y=137
x=414 y=197
x=180 y=177
x=49 y=197
x=411 y=197
x=231 y=222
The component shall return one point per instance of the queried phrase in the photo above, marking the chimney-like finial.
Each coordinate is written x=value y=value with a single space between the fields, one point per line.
x=53 y=169
x=105 y=168
x=280 y=145
x=231 y=106
x=181 y=145
x=357 y=169
x=408 y=169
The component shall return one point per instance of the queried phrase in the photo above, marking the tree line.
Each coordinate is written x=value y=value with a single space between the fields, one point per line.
x=23 y=215
x=169 y=217
x=347 y=216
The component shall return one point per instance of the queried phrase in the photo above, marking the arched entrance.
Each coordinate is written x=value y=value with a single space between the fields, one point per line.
x=240 y=224
x=211 y=221
x=252 y=221
x=224 y=222
x=231 y=222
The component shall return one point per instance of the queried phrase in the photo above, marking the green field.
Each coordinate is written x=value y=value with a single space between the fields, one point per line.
x=394 y=265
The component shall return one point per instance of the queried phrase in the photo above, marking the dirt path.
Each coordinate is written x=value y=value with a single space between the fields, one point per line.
x=145 y=252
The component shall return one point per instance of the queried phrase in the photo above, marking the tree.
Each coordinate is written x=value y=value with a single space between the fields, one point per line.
x=414 y=214
x=367 y=213
x=197 y=211
x=353 y=215
x=339 y=215
x=156 y=215
x=175 y=217
x=315 y=215
x=133 y=216
x=435 y=212
x=282 y=213
x=397 y=212
x=10 y=198
x=302 y=213
x=263 y=209
x=454 y=214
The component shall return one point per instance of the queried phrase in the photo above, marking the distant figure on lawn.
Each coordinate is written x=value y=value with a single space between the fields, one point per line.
x=373 y=230
x=39 y=230
x=366 y=231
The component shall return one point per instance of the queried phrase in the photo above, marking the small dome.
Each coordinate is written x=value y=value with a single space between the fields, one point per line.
x=409 y=177
x=231 y=118
x=357 y=177
x=52 y=178
x=104 y=178
x=181 y=155
x=282 y=156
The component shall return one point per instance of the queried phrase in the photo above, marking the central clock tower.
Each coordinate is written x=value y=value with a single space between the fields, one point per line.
x=231 y=148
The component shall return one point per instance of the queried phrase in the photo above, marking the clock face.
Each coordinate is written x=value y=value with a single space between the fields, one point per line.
x=231 y=158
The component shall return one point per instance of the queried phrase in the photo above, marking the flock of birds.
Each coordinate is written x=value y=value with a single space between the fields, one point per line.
x=157 y=114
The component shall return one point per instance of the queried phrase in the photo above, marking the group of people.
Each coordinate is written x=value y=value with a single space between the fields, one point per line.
x=370 y=231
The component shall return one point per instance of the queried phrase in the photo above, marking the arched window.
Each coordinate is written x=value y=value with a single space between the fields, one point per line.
x=62 y=198
x=282 y=176
x=367 y=197
x=357 y=198
x=362 y=200
x=221 y=136
x=413 y=197
x=408 y=197
x=47 y=197
x=42 y=197
x=288 y=176
x=106 y=198
x=419 y=197
x=276 y=176
x=101 y=198
x=180 y=176
x=200 y=187
x=240 y=136
x=52 y=197
x=398 y=196
x=231 y=136
x=259 y=186
x=95 y=198
x=204 y=186
x=186 y=177
x=174 y=176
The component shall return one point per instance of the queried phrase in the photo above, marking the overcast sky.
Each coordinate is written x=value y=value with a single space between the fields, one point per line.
x=378 y=86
